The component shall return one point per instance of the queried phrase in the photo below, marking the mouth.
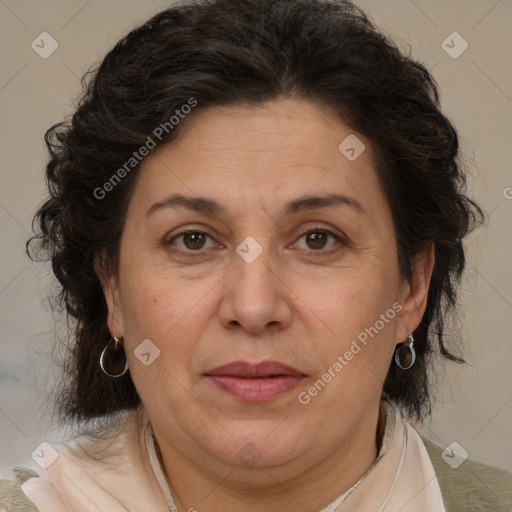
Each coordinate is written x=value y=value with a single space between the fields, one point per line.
x=255 y=382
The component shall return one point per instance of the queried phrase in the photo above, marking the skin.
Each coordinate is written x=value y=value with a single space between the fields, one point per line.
x=296 y=303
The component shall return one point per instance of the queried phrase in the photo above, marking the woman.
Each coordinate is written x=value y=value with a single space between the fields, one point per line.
x=256 y=216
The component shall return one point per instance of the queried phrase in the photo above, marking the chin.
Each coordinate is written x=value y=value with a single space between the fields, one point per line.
x=261 y=448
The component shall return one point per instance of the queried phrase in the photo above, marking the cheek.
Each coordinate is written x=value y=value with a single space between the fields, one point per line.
x=360 y=315
x=169 y=311
x=153 y=300
x=156 y=317
x=357 y=299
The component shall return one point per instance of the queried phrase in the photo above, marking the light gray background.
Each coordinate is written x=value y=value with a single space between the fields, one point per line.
x=474 y=405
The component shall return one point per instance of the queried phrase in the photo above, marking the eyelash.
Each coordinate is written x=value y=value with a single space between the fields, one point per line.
x=319 y=252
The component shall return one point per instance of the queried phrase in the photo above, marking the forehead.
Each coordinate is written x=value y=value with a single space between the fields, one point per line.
x=262 y=155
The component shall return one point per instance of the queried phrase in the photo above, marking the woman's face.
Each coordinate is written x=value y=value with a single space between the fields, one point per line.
x=254 y=286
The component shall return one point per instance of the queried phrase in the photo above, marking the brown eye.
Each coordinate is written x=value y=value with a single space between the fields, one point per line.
x=192 y=241
x=316 y=240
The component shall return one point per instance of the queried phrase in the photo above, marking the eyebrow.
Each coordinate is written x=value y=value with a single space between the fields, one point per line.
x=212 y=207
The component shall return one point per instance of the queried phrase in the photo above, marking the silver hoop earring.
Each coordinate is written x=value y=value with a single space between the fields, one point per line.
x=405 y=355
x=113 y=359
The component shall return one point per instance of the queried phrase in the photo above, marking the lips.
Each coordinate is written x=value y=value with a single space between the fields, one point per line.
x=263 y=369
x=255 y=382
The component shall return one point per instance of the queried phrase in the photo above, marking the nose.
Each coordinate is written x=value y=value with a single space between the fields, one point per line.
x=257 y=297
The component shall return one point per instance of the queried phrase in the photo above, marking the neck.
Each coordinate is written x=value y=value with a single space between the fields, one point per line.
x=194 y=485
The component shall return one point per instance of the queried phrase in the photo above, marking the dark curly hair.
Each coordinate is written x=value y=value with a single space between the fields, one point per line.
x=221 y=52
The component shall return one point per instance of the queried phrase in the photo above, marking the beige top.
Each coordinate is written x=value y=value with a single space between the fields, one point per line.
x=124 y=474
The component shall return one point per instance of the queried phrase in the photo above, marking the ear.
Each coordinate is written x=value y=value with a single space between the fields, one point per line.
x=413 y=295
x=110 y=286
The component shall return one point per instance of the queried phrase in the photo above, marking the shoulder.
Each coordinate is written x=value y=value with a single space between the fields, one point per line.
x=83 y=456
x=472 y=486
x=12 y=497
x=107 y=467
